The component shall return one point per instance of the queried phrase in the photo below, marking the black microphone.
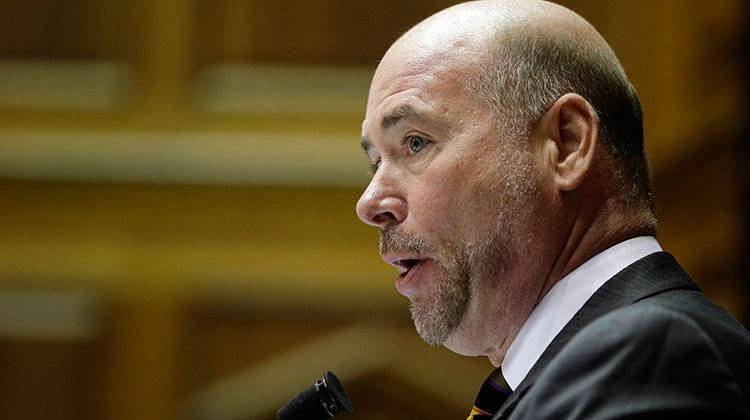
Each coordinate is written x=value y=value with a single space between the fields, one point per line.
x=321 y=401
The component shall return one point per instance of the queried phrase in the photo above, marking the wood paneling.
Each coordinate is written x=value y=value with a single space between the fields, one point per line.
x=297 y=31
x=64 y=29
x=268 y=258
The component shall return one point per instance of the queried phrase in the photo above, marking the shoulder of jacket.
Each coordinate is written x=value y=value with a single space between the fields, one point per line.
x=643 y=325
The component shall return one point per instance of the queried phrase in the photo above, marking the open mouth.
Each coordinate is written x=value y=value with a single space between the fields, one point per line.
x=409 y=267
x=405 y=265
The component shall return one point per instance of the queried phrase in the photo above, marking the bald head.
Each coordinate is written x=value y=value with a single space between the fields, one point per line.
x=479 y=27
x=518 y=58
x=483 y=18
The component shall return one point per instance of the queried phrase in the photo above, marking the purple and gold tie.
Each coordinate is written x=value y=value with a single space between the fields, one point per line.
x=493 y=393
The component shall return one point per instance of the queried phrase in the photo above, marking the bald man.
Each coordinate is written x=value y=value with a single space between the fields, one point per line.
x=511 y=191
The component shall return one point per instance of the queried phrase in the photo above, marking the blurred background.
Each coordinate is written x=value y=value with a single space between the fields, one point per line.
x=177 y=188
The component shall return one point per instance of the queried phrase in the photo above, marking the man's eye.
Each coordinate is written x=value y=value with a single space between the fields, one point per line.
x=374 y=167
x=415 y=144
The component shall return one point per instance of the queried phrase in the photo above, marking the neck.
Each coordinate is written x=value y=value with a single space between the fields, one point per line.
x=594 y=229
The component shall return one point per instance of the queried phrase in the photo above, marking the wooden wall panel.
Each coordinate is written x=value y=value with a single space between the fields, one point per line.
x=303 y=32
x=163 y=252
x=53 y=379
x=64 y=29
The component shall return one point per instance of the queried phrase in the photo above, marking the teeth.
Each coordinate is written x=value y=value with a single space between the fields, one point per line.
x=406 y=264
x=403 y=265
x=400 y=266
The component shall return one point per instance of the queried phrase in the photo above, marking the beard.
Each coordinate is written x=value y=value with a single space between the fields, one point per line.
x=462 y=270
x=470 y=270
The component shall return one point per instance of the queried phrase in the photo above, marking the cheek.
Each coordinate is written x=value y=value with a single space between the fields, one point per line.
x=436 y=204
x=450 y=200
x=433 y=209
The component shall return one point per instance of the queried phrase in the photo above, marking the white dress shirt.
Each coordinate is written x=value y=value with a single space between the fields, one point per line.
x=564 y=299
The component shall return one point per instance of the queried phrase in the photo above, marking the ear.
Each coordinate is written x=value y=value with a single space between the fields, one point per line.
x=569 y=132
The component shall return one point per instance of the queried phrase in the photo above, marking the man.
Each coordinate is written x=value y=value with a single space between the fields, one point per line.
x=511 y=191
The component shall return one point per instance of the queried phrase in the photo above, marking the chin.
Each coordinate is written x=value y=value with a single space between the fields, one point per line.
x=471 y=337
x=461 y=343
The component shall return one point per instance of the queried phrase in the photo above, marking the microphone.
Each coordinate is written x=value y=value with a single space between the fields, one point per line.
x=321 y=401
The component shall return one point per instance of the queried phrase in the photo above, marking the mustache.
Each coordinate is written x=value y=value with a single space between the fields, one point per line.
x=393 y=240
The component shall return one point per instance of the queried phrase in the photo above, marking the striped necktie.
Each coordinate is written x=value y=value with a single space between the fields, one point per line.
x=493 y=393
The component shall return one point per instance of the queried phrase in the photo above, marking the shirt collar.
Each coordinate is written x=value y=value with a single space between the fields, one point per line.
x=564 y=299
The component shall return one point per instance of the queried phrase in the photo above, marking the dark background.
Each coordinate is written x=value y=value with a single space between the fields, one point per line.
x=178 y=180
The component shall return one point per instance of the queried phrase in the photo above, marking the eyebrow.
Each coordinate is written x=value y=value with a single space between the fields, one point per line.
x=391 y=119
x=398 y=114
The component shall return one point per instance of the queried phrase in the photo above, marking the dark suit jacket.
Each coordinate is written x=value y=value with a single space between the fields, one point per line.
x=646 y=345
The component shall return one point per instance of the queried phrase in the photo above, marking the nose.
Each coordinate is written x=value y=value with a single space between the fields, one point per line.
x=380 y=205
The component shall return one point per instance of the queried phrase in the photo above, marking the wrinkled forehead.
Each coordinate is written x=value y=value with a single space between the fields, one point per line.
x=423 y=67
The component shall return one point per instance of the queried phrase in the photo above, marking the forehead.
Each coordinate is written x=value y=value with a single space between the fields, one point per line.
x=421 y=63
x=410 y=87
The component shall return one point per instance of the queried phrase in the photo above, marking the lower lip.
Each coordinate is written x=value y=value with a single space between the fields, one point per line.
x=408 y=283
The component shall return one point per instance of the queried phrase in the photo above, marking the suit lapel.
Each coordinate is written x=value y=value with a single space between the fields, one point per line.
x=651 y=275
